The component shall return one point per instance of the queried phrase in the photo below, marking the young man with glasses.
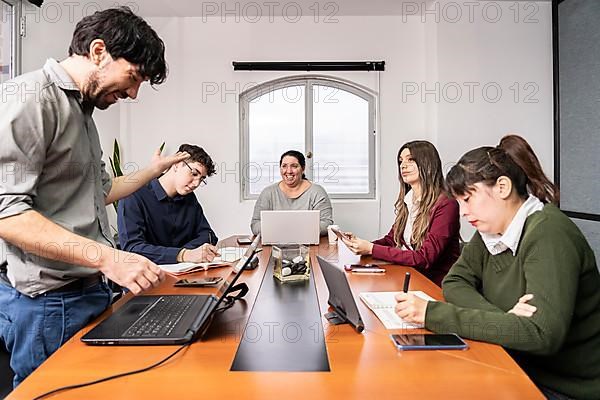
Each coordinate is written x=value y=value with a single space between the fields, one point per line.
x=163 y=221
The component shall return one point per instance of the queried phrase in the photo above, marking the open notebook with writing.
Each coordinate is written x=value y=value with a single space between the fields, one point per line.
x=228 y=255
x=383 y=304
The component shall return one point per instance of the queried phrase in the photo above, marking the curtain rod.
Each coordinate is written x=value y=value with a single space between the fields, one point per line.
x=309 y=66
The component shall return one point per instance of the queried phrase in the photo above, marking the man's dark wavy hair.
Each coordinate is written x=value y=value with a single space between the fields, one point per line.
x=125 y=35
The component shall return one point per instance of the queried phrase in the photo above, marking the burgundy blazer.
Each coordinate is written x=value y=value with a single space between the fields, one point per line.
x=440 y=247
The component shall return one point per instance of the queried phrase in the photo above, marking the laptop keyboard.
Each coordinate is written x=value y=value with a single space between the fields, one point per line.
x=162 y=318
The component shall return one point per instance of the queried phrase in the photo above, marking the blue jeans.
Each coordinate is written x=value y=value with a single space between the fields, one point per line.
x=34 y=328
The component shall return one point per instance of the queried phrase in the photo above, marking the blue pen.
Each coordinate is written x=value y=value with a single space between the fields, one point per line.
x=406 y=282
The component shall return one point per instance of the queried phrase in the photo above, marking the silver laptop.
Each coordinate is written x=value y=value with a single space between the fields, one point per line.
x=290 y=226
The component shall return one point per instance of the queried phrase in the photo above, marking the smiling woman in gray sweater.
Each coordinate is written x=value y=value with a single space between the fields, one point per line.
x=293 y=192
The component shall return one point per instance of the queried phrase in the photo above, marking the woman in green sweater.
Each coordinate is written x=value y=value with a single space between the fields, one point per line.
x=527 y=280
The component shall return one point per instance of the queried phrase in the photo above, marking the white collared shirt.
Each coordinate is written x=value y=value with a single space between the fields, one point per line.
x=410 y=221
x=496 y=244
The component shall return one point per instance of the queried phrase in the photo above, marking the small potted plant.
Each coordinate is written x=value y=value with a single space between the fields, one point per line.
x=117 y=170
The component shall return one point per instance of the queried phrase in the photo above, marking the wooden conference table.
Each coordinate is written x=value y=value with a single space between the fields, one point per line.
x=362 y=365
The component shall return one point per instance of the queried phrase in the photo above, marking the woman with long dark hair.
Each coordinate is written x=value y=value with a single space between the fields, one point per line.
x=425 y=234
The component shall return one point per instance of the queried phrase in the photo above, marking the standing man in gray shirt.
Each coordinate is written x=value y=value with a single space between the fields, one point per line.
x=55 y=242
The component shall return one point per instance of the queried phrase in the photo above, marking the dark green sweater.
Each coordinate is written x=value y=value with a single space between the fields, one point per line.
x=559 y=346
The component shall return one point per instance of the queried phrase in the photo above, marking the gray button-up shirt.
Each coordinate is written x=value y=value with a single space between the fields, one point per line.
x=50 y=161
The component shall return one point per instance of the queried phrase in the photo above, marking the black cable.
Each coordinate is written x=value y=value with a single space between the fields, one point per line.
x=228 y=302
x=108 y=378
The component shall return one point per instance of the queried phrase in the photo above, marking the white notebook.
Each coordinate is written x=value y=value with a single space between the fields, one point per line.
x=383 y=304
x=228 y=255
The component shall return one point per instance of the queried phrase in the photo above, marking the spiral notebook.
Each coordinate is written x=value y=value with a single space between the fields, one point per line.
x=383 y=304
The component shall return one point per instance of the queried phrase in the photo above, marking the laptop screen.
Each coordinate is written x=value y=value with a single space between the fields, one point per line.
x=290 y=226
x=237 y=269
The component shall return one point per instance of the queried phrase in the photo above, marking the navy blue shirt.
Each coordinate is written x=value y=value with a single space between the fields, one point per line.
x=158 y=227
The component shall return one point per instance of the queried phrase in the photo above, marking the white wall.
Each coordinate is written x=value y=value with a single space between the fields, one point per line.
x=418 y=50
x=497 y=49
x=500 y=55
x=200 y=55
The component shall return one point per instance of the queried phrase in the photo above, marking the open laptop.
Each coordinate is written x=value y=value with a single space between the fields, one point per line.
x=290 y=226
x=340 y=297
x=165 y=319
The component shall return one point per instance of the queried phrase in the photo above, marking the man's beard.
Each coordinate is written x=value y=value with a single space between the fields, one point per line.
x=94 y=94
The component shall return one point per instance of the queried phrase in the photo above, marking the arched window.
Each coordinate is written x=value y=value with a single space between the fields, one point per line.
x=331 y=121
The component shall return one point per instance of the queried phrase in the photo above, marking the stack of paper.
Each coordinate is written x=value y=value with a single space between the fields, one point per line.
x=228 y=255
x=383 y=305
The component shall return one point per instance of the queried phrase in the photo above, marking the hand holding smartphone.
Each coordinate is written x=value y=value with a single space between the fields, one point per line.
x=341 y=235
x=210 y=281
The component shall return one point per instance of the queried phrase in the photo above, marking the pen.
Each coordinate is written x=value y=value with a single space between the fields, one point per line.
x=406 y=282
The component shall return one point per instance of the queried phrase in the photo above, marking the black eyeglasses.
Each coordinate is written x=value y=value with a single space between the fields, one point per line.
x=196 y=174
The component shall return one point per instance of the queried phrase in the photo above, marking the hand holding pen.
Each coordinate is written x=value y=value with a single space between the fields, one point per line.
x=410 y=307
x=205 y=253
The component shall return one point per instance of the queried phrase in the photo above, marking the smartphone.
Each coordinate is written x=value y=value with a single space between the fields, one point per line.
x=367 y=270
x=448 y=341
x=353 y=267
x=244 y=240
x=341 y=235
x=210 y=281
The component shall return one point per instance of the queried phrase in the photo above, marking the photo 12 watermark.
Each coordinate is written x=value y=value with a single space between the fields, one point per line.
x=471 y=11
x=68 y=11
x=270 y=11
x=232 y=92
x=326 y=172
x=277 y=332
x=471 y=92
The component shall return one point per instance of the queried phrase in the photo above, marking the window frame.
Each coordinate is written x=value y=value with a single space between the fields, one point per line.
x=308 y=81
x=15 y=36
